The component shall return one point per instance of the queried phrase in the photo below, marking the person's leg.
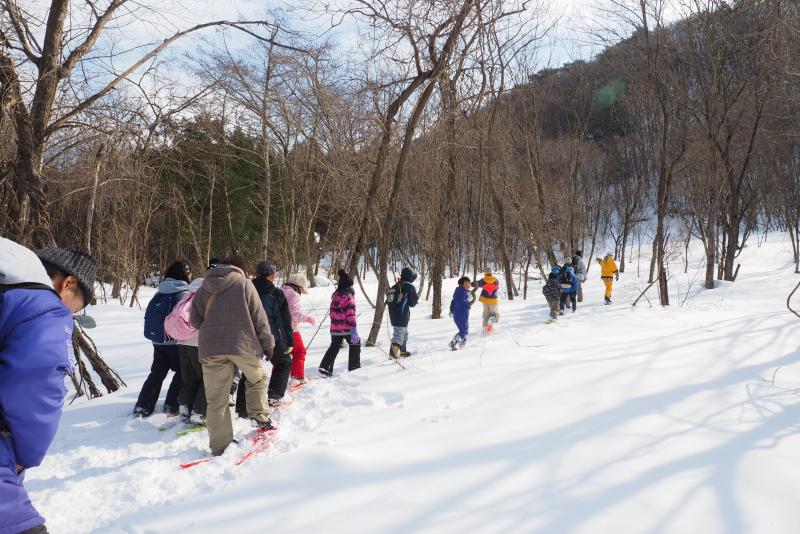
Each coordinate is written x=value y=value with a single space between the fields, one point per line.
x=354 y=357
x=326 y=365
x=241 y=402
x=580 y=291
x=298 y=357
x=281 y=368
x=403 y=336
x=198 y=404
x=486 y=314
x=148 y=396
x=217 y=377
x=494 y=309
x=573 y=297
x=171 y=400
x=563 y=302
x=189 y=382
x=553 y=308
x=256 y=392
x=608 y=282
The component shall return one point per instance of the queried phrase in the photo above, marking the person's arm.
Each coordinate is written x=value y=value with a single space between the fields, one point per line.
x=286 y=318
x=33 y=365
x=350 y=311
x=413 y=297
x=198 y=311
x=259 y=318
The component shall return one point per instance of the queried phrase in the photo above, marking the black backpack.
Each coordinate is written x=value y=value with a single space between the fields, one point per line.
x=395 y=295
x=270 y=302
x=565 y=278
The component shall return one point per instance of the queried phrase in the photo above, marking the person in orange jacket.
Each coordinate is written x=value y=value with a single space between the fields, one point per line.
x=608 y=272
x=490 y=289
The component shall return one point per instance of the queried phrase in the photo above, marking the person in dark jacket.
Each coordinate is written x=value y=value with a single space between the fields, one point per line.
x=171 y=291
x=552 y=292
x=280 y=323
x=38 y=296
x=459 y=311
x=343 y=327
x=569 y=289
x=400 y=312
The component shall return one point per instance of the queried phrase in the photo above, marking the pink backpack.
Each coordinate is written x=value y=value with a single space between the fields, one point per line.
x=177 y=325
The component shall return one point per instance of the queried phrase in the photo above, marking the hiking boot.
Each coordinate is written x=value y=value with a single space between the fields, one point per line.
x=261 y=425
x=395 y=351
x=325 y=373
x=273 y=402
x=170 y=411
x=197 y=418
x=138 y=411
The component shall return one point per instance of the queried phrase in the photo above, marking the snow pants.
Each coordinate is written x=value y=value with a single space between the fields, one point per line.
x=609 y=283
x=462 y=323
x=165 y=359
x=298 y=357
x=17 y=514
x=217 y=378
x=193 y=392
x=568 y=297
x=400 y=336
x=354 y=356
x=554 y=308
x=580 y=291
x=281 y=367
x=488 y=311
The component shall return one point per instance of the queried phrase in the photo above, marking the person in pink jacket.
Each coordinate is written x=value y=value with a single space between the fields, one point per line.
x=294 y=287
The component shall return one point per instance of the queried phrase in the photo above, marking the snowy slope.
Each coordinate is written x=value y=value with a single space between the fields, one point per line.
x=615 y=419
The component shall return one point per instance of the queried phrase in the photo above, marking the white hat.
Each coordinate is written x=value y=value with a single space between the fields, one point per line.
x=299 y=280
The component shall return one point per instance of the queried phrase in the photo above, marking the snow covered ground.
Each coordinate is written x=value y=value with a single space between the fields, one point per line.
x=613 y=420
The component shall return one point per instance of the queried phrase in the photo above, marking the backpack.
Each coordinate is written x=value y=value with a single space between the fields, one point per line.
x=394 y=297
x=155 y=315
x=176 y=324
x=565 y=279
x=270 y=302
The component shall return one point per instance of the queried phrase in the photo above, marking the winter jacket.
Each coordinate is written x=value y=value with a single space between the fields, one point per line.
x=572 y=287
x=235 y=324
x=400 y=314
x=177 y=289
x=552 y=289
x=608 y=268
x=280 y=320
x=35 y=344
x=295 y=310
x=459 y=306
x=193 y=287
x=489 y=286
x=343 y=311
x=580 y=268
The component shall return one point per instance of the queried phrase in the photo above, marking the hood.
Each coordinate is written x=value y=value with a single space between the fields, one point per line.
x=263 y=285
x=170 y=285
x=19 y=265
x=407 y=275
x=555 y=270
x=570 y=270
x=554 y=275
x=221 y=278
x=195 y=285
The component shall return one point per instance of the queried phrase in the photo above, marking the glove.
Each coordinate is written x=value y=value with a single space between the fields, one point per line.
x=311 y=320
x=617 y=277
x=354 y=339
x=267 y=355
x=289 y=350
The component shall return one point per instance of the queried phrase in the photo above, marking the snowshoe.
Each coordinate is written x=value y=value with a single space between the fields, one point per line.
x=261 y=425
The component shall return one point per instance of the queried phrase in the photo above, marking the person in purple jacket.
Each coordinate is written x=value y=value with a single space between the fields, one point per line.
x=38 y=296
x=343 y=327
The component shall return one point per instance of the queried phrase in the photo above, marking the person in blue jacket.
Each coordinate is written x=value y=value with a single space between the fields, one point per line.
x=569 y=289
x=400 y=313
x=170 y=292
x=38 y=296
x=459 y=311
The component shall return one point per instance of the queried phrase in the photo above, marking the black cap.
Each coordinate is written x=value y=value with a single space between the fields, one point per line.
x=75 y=262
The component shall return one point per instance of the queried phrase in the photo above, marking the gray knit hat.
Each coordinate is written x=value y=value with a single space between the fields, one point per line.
x=75 y=262
x=265 y=268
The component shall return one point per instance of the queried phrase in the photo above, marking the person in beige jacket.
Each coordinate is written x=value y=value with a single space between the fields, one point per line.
x=234 y=332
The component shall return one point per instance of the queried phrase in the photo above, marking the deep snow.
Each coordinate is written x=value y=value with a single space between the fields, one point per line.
x=613 y=420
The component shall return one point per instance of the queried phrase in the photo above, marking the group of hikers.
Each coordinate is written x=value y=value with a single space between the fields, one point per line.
x=212 y=331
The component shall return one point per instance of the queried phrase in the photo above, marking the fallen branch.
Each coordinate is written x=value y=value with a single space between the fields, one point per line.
x=789 y=300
